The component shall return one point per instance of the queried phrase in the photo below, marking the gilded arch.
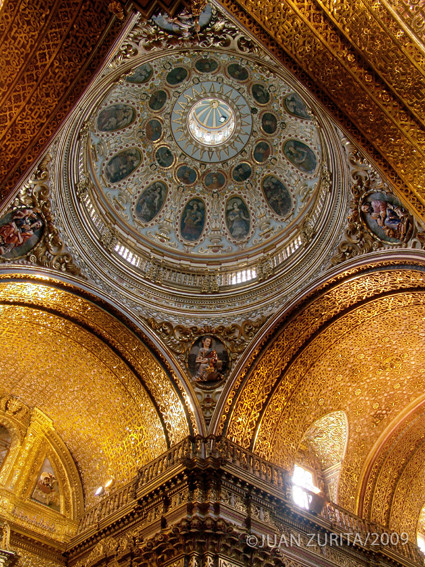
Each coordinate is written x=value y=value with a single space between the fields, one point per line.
x=345 y=347
x=116 y=411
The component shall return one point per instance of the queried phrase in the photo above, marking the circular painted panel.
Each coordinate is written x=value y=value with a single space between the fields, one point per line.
x=150 y=201
x=206 y=65
x=237 y=72
x=269 y=123
x=386 y=218
x=184 y=23
x=295 y=105
x=277 y=195
x=153 y=130
x=186 y=175
x=115 y=117
x=300 y=155
x=20 y=231
x=193 y=220
x=177 y=76
x=214 y=180
x=164 y=157
x=262 y=152
x=242 y=172
x=157 y=100
x=260 y=94
x=122 y=164
x=140 y=75
x=237 y=218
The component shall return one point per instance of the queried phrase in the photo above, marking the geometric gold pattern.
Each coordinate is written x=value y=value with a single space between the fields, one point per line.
x=48 y=53
x=109 y=398
x=372 y=75
x=350 y=347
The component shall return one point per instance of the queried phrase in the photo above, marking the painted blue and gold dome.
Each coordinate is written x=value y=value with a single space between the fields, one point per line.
x=204 y=154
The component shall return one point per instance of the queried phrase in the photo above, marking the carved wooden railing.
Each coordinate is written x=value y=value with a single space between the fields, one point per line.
x=370 y=535
x=195 y=448
x=241 y=462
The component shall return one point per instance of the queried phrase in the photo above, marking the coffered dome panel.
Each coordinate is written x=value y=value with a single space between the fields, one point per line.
x=202 y=170
x=196 y=142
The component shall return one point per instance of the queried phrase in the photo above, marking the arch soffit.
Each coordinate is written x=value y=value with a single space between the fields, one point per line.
x=80 y=325
x=254 y=406
x=392 y=484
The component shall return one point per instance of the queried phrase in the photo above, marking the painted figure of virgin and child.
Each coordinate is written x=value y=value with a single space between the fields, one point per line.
x=208 y=360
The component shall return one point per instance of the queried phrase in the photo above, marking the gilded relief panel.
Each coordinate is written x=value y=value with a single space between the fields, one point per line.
x=353 y=364
x=244 y=405
x=390 y=491
x=105 y=416
x=316 y=41
x=48 y=55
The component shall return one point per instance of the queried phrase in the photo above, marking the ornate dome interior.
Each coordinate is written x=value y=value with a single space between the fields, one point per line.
x=202 y=170
x=211 y=254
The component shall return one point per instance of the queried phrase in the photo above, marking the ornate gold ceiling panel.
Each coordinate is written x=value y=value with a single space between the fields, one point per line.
x=345 y=350
x=386 y=490
x=49 y=51
x=105 y=391
x=357 y=55
x=328 y=437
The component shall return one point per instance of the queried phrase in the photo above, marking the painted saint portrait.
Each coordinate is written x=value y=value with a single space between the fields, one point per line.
x=386 y=218
x=20 y=231
x=214 y=180
x=295 y=105
x=150 y=201
x=46 y=490
x=269 y=123
x=261 y=94
x=122 y=165
x=164 y=157
x=277 y=195
x=140 y=75
x=115 y=117
x=5 y=442
x=193 y=220
x=177 y=76
x=206 y=65
x=300 y=155
x=262 y=152
x=157 y=100
x=208 y=361
x=186 y=175
x=237 y=218
x=237 y=72
x=153 y=130
x=184 y=23
x=241 y=172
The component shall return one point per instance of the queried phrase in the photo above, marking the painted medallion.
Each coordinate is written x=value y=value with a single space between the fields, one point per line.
x=122 y=164
x=237 y=218
x=193 y=220
x=151 y=201
x=277 y=195
x=300 y=155
x=115 y=117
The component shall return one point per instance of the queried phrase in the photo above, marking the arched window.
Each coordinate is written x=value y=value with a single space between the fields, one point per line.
x=303 y=487
x=324 y=443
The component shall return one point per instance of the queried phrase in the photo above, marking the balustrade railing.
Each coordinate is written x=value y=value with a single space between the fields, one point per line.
x=232 y=456
x=370 y=534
